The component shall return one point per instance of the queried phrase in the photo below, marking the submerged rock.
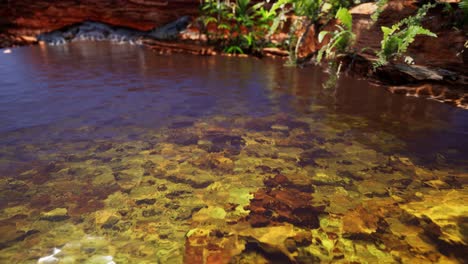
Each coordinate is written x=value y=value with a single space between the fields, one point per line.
x=444 y=210
x=106 y=218
x=58 y=214
x=277 y=204
x=360 y=222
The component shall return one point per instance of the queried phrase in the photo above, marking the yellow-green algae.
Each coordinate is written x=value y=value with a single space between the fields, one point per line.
x=181 y=195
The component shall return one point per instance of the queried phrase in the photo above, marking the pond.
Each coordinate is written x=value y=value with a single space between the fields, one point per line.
x=114 y=154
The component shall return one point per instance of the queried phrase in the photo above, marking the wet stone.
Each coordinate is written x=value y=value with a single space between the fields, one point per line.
x=56 y=215
x=10 y=234
x=183 y=139
x=104 y=178
x=111 y=222
x=349 y=174
x=179 y=194
x=161 y=188
x=145 y=201
x=360 y=222
x=309 y=157
x=277 y=203
x=150 y=212
x=291 y=181
x=220 y=142
x=193 y=181
x=329 y=178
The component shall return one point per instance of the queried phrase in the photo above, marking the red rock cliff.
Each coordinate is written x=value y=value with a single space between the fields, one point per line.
x=28 y=17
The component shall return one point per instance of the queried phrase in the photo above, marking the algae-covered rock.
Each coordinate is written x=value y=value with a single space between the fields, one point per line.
x=106 y=218
x=55 y=215
x=118 y=201
x=323 y=177
x=447 y=210
x=206 y=245
x=240 y=198
x=273 y=190
x=126 y=181
x=209 y=213
x=272 y=239
x=373 y=188
x=360 y=222
x=104 y=178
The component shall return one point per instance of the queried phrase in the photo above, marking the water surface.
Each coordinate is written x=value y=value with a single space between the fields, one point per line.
x=113 y=151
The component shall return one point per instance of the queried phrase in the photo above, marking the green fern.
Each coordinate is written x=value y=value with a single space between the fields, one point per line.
x=341 y=39
x=234 y=50
x=399 y=37
x=463 y=5
x=380 y=7
x=345 y=17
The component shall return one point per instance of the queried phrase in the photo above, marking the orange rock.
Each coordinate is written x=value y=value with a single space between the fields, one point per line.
x=282 y=201
x=359 y=221
x=139 y=14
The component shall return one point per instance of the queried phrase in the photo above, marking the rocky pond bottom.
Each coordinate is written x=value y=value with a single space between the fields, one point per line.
x=270 y=184
x=264 y=190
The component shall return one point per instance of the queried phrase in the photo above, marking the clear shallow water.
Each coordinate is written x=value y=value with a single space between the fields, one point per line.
x=112 y=150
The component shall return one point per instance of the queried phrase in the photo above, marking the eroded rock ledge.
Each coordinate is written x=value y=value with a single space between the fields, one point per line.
x=29 y=18
x=48 y=15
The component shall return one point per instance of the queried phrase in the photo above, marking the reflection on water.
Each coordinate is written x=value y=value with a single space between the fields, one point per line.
x=111 y=153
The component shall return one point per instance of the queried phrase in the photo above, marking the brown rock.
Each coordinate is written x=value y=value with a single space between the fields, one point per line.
x=359 y=221
x=31 y=17
x=282 y=201
x=211 y=246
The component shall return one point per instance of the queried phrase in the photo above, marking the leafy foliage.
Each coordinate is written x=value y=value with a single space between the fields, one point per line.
x=399 y=37
x=463 y=5
x=241 y=25
x=318 y=9
x=341 y=39
x=247 y=26
x=380 y=7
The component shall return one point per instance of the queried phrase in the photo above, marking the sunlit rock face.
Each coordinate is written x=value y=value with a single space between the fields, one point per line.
x=42 y=16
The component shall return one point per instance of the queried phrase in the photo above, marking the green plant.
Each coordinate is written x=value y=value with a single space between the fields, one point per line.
x=247 y=26
x=447 y=8
x=397 y=38
x=310 y=9
x=234 y=50
x=270 y=19
x=334 y=69
x=380 y=7
x=293 y=43
x=312 y=12
x=215 y=12
x=240 y=26
x=463 y=5
x=341 y=39
x=317 y=9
